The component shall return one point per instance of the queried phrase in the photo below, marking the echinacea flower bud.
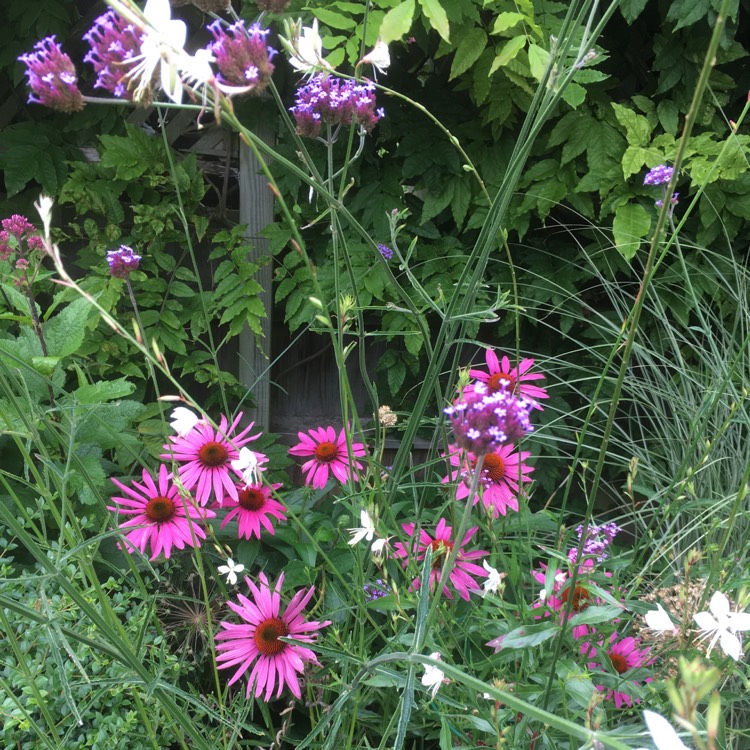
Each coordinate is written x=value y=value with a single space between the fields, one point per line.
x=242 y=56
x=52 y=77
x=122 y=262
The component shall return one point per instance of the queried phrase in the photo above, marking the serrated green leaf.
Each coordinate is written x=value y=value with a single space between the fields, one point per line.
x=631 y=9
x=45 y=365
x=105 y=390
x=437 y=17
x=396 y=374
x=65 y=332
x=632 y=222
x=508 y=52
x=469 y=50
x=668 y=114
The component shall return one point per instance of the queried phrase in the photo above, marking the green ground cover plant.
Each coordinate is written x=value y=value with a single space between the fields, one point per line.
x=549 y=248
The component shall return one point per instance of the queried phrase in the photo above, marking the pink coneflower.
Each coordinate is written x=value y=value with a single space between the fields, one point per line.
x=277 y=664
x=622 y=656
x=161 y=517
x=251 y=509
x=501 y=470
x=513 y=379
x=328 y=453
x=562 y=592
x=207 y=456
x=463 y=570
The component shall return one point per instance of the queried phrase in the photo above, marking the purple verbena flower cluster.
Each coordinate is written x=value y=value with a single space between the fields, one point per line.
x=115 y=44
x=20 y=236
x=52 y=77
x=335 y=101
x=122 y=262
x=660 y=175
x=375 y=590
x=385 y=251
x=598 y=538
x=483 y=422
x=242 y=55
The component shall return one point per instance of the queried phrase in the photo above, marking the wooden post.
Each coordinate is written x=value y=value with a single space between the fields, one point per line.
x=256 y=210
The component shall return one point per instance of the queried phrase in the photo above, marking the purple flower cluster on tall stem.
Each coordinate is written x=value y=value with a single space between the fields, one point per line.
x=115 y=43
x=242 y=55
x=598 y=538
x=122 y=262
x=19 y=236
x=483 y=422
x=52 y=77
x=335 y=101
x=660 y=175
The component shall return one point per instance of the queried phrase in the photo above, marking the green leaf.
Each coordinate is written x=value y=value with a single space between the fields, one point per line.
x=437 y=17
x=687 y=12
x=45 y=365
x=635 y=158
x=104 y=390
x=595 y=615
x=469 y=49
x=632 y=222
x=396 y=375
x=574 y=95
x=668 y=114
x=631 y=9
x=397 y=22
x=508 y=52
x=507 y=20
x=333 y=19
x=538 y=61
x=637 y=128
x=529 y=635
x=65 y=332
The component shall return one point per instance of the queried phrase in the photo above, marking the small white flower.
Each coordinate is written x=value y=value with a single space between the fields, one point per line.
x=247 y=465
x=378 y=57
x=162 y=46
x=307 y=50
x=662 y=733
x=366 y=531
x=721 y=625
x=433 y=677
x=230 y=570
x=494 y=579
x=660 y=621
x=183 y=420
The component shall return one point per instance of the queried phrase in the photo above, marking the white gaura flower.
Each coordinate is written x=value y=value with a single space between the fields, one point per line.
x=378 y=57
x=230 y=570
x=307 y=49
x=662 y=733
x=433 y=677
x=247 y=465
x=367 y=531
x=494 y=579
x=660 y=621
x=162 y=47
x=183 y=420
x=722 y=625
